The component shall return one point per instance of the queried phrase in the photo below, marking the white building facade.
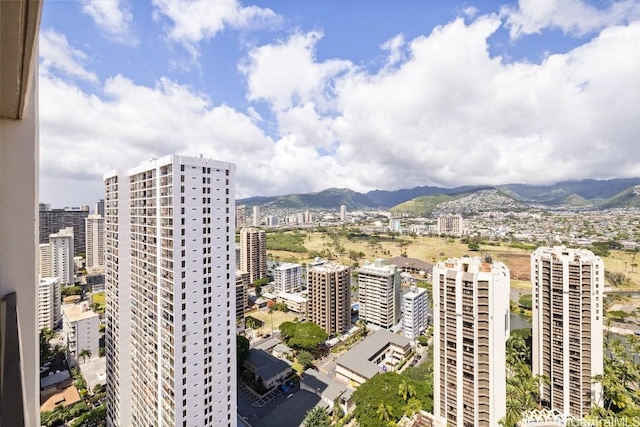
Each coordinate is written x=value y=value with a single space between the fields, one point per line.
x=415 y=310
x=177 y=243
x=379 y=292
x=567 y=325
x=81 y=331
x=62 y=254
x=471 y=327
x=287 y=277
x=49 y=314
x=94 y=238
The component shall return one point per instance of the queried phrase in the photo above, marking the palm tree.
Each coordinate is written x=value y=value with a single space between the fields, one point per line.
x=84 y=353
x=384 y=411
x=406 y=390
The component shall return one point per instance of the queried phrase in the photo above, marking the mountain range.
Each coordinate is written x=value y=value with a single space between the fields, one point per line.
x=589 y=193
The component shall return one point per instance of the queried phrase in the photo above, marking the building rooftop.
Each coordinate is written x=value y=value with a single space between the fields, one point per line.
x=56 y=378
x=403 y=262
x=66 y=397
x=292 y=297
x=267 y=366
x=358 y=358
x=414 y=292
x=77 y=312
x=324 y=385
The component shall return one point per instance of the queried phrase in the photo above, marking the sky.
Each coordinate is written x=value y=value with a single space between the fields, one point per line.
x=305 y=95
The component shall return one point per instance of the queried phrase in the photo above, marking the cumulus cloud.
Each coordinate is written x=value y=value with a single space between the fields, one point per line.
x=575 y=17
x=113 y=18
x=57 y=56
x=196 y=20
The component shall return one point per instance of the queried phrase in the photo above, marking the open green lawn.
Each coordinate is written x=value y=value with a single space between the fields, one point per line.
x=279 y=317
x=98 y=297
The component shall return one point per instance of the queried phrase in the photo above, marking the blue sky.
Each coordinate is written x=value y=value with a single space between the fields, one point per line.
x=305 y=95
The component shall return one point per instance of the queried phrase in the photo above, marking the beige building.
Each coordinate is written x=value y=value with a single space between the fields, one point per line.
x=94 y=237
x=81 y=330
x=49 y=314
x=253 y=253
x=450 y=225
x=242 y=298
x=295 y=302
x=568 y=292
x=329 y=296
x=471 y=326
x=379 y=292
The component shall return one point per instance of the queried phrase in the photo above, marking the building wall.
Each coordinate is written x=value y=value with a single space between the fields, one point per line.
x=183 y=299
x=471 y=326
x=242 y=298
x=329 y=299
x=287 y=278
x=49 y=314
x=379 y=292
x=56 y=219
x=62 y=264
x=414 y=312
x=80 y=333
x=44 y=260
x=568 y=292
x=94 y=230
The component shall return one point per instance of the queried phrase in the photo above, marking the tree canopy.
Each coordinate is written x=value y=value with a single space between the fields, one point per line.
x=317 y=417
x=305 y=335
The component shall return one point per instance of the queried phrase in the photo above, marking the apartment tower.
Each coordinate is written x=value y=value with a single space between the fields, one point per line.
x=287 y=277
x=52 y=220
x=61 y=246
x=94 y=235
x=568 y=292
x=329 y=299
x=471 y=326
x=49 y=314
x=242 y=298
x=415 y=309
x=379 y=291
x=256 y=216
x=450 y=225
x=253 y=253
x=171 y=303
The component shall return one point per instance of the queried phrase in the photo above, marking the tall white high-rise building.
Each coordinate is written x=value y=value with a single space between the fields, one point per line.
x=256 y=216
x=61 y=246
x=471 y=327
x=241 y=215
x=379 y=292
x=94 y=237
x=415 y=312
x=343 y=212
x=287 y=277
x=171 y=293
x=253 y=253
x=44 y=260
x=568 y=312
x=49 y=314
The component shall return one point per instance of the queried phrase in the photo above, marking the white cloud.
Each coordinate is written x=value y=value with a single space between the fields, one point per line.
x=198 y=20
x=575 y=17
x=113 y=18
x=287 y=73
x=57 y=56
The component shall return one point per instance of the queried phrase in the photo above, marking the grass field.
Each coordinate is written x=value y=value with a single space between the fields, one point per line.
x=279 y=317
x=435 y=249
x=98 y=297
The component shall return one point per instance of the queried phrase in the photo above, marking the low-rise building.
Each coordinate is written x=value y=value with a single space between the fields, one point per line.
x=295 y=302
x=327 y=389
x=81 y=330
x=266 y=367
x=380 y=352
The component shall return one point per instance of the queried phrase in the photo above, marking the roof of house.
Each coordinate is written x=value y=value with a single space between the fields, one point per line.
x=401 y=262
x=266 y=365
x=56 y=378
x=78 y=312
x=358 y=358
x=324 y=385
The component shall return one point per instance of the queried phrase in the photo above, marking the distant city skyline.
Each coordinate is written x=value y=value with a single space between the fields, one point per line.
x=375 y=95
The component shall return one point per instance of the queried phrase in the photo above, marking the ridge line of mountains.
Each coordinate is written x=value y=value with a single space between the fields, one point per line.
x=582 y=194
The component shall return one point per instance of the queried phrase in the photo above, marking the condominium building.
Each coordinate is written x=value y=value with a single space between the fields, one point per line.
x=80 y=326
x=242 y=298
x=94 y=232
x=379 y=292
x=241 y=215
x=253 y=253
x=415 y=312
x=171 y=301
x=52 y=220
x=44 y=260
x=343 y=212
x=451 y=225
x=49 y=314
x=61 y=246
x=568 y=292
x=329 y=298
x=471 y=326
x=287 y=277
x=256 y=216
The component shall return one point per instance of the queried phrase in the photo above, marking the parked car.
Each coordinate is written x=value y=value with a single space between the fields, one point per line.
x=290 y=384
x=283 y=388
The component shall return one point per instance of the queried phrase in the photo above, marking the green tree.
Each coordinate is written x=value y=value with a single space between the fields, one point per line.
x=304 y=335
x=473 y=246
x=317 y=417
x=406 y=390
x=526 y=301
x=84 y=353
x=242 y=350
x=384 y=411
x=305 y=359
